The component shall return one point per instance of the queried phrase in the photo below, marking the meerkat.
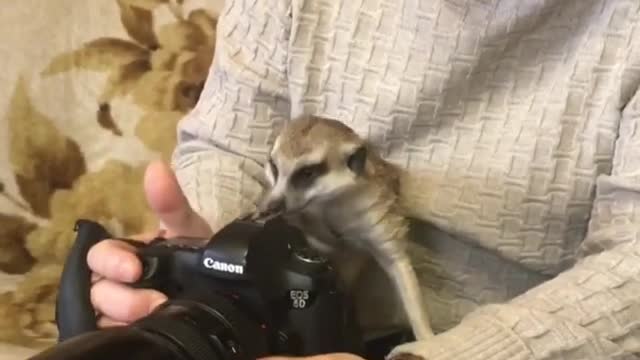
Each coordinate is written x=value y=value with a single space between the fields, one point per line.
x=327 y=181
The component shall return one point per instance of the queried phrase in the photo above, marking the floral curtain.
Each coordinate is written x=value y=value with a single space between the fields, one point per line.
x=92 y=91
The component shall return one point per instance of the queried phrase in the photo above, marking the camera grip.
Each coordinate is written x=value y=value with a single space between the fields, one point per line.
x=74 y=312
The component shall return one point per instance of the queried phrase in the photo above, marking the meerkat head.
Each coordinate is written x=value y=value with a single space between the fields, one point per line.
x=313 y=160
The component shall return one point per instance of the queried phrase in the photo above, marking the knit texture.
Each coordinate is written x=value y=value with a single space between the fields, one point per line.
x=523 y=116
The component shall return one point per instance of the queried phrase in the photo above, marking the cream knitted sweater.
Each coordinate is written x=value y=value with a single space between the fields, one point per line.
x=525 y=115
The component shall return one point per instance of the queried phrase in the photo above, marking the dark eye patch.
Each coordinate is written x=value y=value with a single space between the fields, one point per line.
x=357 y=161
x=306 y=175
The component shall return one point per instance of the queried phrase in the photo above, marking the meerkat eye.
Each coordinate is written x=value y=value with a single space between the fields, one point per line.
x=357 y=160
x=305 y=176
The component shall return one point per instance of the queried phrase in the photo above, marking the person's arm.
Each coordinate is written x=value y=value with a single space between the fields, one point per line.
x=224 y=140
x=591 y=311
x=221 y=144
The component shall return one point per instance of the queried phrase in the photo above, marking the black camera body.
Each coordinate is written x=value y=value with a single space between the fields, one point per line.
x=252 y=290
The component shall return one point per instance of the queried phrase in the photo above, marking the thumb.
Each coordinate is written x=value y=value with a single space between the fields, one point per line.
x=166 y=199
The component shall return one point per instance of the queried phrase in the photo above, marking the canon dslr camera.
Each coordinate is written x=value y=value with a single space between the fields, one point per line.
x=252 y=290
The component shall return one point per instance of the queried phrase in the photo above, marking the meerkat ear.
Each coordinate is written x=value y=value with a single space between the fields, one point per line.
x=357 y=160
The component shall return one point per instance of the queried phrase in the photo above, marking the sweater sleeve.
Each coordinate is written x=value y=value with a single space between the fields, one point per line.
x=223 y=141
x=590 y=311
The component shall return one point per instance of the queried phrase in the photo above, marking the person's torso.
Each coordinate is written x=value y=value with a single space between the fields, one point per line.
x=512 y=107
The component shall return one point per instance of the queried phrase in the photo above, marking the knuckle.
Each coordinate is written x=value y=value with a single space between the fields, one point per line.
x=118 y=301
x=96 y=252
x=112 y=261
x=118 y=265
x=99 y=252
x=96 y=295
x=127 y=306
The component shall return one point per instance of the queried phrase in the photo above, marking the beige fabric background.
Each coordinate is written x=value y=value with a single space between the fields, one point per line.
x=91 y=91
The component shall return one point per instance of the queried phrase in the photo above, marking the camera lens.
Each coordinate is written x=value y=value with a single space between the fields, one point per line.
x=176 y=330
x=217 y=330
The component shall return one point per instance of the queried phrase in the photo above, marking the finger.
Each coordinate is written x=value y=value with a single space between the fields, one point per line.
x=124 y=304
x=167 y=200
x=114 y=260
x=106 y=322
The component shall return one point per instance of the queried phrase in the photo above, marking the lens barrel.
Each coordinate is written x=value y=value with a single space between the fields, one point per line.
x=113 y=343
x=177 y=330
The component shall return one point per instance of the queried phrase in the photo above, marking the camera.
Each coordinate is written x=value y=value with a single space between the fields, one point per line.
x=253 y=289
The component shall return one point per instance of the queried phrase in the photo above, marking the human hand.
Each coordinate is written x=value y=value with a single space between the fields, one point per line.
x=113 y=262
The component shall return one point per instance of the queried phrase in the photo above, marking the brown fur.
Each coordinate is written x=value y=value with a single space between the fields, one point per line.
x=299 y=137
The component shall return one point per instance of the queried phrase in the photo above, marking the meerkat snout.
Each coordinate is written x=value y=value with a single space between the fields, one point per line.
x=305 y=167
x=292 y=188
